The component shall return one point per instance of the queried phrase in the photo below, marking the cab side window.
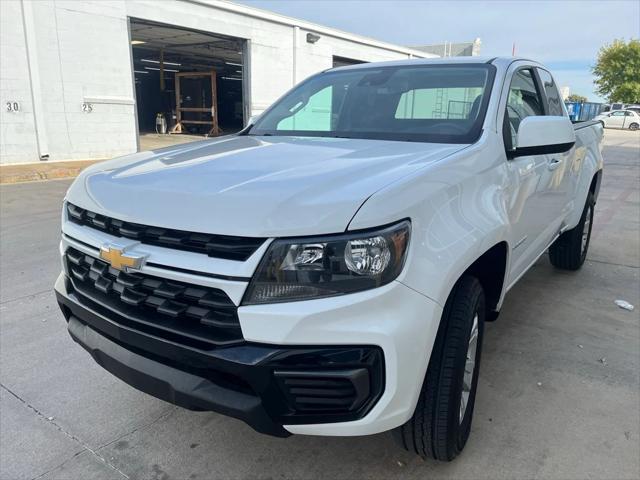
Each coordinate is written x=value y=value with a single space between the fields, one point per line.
x=524 y=101
x=551 y=90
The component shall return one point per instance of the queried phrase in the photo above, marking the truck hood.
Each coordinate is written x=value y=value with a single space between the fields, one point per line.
x=251 y=186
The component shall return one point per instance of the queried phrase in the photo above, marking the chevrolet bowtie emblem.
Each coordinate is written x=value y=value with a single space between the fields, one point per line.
x=120 y=260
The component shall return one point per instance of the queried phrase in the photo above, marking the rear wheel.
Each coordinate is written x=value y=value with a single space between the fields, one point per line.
x=634 y=126
x=441 y=422
x=569 y=250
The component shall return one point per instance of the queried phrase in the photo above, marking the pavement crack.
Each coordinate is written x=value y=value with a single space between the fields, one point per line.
x=60 y=465
x=71 y=436
x=162 y=416
x=4 y=302
x=612 y=263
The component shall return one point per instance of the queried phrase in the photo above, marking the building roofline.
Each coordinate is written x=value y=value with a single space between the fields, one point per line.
x=312 y=27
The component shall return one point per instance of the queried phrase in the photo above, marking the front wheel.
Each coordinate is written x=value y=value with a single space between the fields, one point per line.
x=569 y=250
x=441 y=422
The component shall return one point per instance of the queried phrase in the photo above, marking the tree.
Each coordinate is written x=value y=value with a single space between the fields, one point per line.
x=617 y=71
x=574 y=97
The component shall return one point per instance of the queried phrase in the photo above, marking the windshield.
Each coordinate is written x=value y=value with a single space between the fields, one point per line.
x=424 y=103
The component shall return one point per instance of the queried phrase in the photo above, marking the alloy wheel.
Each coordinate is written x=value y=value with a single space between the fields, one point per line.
x=586 y=229
x=469 y=368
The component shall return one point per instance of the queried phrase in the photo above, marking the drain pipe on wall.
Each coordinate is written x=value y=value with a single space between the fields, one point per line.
x=296 y=35
x=34 y=77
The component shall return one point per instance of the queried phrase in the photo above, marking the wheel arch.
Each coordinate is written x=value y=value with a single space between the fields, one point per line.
x=589 y=178
x=594 y=188
x=490 y=269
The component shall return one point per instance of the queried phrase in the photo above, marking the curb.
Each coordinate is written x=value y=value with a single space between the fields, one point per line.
x=33 y=172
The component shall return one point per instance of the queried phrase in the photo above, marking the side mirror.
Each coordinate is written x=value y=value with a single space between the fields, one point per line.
x=540 y=135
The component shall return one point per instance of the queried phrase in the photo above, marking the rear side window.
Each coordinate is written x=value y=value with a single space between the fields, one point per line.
x=524 y=101
x=551 y=90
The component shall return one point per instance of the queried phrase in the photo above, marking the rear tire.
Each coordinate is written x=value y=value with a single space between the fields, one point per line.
x=569 y=250
x=441 y=423
x=634 y=126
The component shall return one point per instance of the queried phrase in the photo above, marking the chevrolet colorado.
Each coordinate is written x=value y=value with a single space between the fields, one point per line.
x=329 y=269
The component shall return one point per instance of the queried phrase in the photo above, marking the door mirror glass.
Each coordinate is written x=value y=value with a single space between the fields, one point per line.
x=540 y=135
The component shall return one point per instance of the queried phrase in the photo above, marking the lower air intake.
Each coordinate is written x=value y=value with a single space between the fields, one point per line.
x=340 y=391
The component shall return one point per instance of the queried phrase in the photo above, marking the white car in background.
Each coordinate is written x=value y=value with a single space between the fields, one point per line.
x=620 y=119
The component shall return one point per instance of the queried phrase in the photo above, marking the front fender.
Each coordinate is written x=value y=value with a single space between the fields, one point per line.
x=458 y=212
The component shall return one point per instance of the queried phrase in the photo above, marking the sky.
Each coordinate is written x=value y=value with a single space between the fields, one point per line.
x=564 y=34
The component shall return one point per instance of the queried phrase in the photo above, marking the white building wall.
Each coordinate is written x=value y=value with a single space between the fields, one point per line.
x=17 y=129
x=82 y=54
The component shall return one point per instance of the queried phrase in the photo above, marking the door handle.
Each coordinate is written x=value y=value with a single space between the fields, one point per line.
x=554 y=163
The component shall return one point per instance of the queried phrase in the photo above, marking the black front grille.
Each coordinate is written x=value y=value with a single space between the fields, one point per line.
x=218 y=246
x=190 y=314
x=340 y=391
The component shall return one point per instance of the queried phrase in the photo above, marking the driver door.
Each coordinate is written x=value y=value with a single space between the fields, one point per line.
x=534 y=212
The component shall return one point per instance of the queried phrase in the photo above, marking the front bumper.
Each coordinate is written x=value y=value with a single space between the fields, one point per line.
x=384 y=334
x=265 y=386
x=171 y=384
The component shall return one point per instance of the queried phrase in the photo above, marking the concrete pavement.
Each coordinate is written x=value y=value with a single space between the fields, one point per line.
x=559 y=390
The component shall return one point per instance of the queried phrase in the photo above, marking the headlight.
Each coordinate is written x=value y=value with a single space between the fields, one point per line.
x=306 y=268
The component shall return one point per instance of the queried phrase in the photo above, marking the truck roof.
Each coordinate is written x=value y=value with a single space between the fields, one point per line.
x=433 y=61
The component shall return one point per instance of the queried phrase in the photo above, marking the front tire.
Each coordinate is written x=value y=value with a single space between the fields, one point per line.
x=569 y=250
x=441 y=423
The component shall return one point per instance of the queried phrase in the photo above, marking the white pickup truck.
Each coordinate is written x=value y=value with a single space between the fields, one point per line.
x=329 y=269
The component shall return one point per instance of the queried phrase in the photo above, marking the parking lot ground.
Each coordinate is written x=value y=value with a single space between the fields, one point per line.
x=559 y=390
